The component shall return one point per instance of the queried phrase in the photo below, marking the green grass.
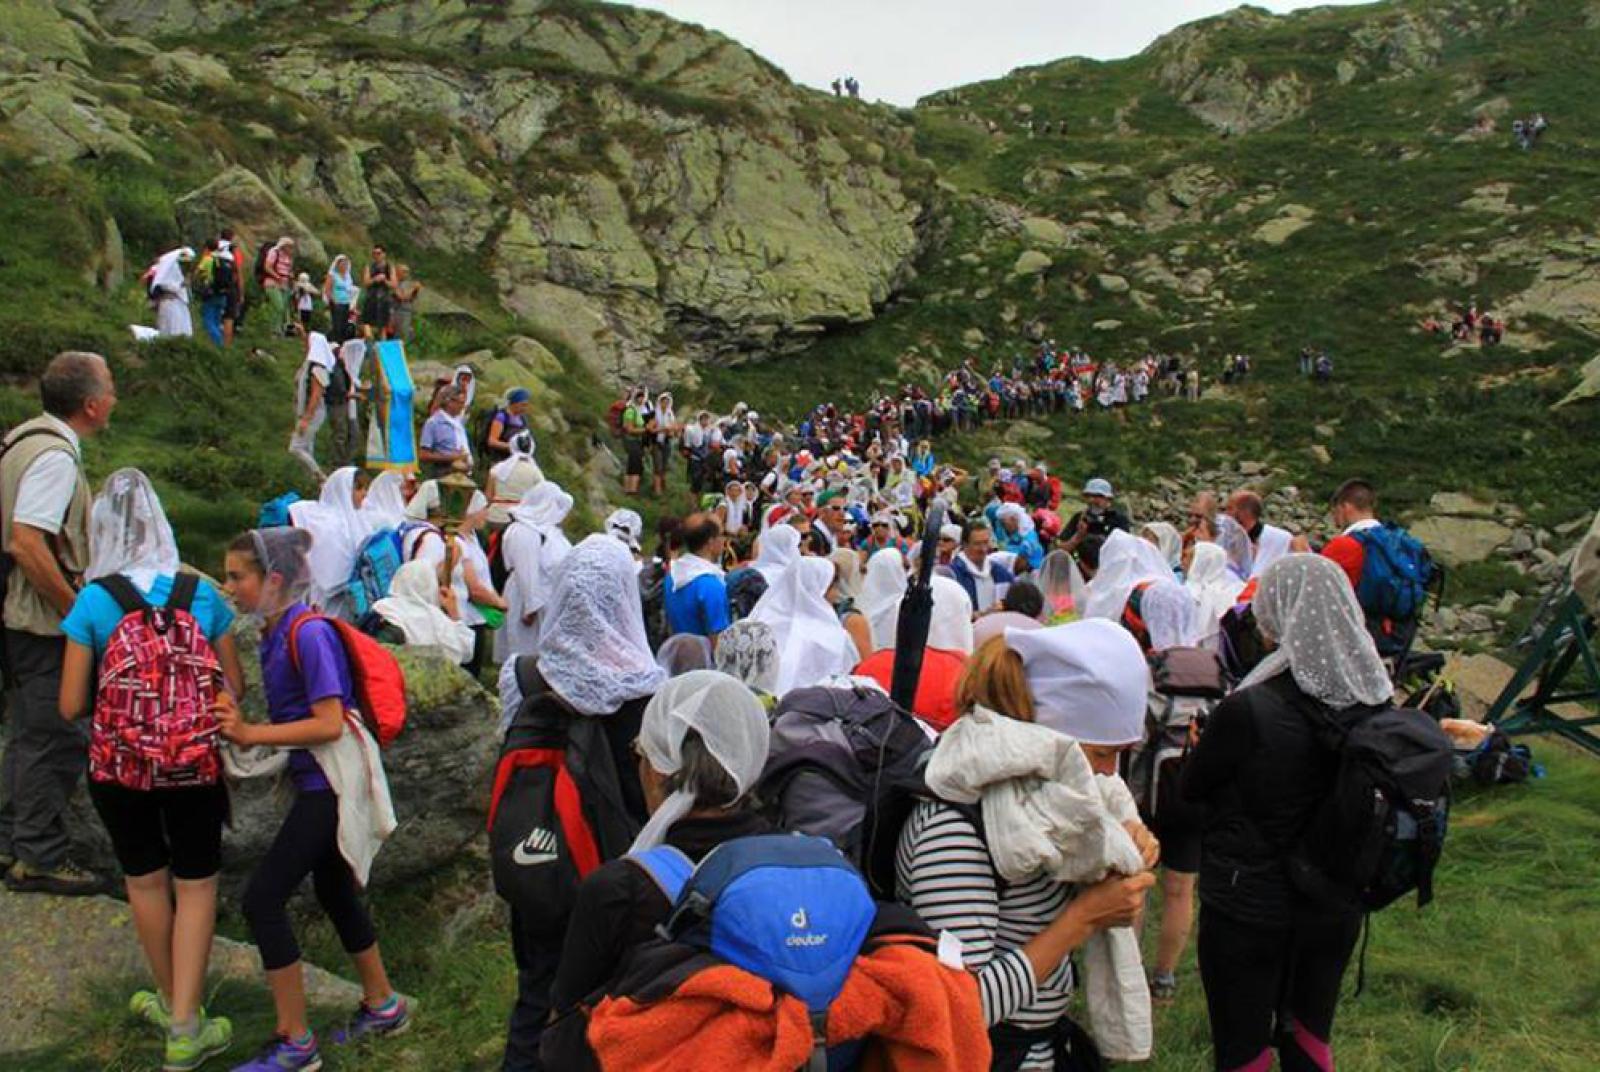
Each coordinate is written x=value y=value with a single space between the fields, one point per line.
x=1500 y=974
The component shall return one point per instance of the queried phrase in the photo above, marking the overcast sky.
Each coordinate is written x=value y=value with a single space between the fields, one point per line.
x=900 y=50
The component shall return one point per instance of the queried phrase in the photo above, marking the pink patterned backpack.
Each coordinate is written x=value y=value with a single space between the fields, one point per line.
x=153 y=726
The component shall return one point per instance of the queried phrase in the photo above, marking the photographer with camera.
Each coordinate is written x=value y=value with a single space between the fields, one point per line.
x=1099 y=517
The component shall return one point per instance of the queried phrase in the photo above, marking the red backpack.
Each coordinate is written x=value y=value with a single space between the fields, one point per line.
x=375 y=675
x=153 y=724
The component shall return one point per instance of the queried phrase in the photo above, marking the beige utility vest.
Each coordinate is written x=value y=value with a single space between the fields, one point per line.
x=25 y=608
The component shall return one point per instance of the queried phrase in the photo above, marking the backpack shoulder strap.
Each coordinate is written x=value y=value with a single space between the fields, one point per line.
x=294 y=636
x=527 y=671
x=185 y=586
x=12 y=441
x=123 y=591
x=668 y=867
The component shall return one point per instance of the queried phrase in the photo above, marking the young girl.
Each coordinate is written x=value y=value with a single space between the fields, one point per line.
x=268 y=573
x=168 y=839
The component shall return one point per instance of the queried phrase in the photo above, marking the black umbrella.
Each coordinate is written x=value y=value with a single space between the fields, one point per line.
x=916 y=615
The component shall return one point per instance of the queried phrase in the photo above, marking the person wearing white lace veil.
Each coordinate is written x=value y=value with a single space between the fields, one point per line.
x=780 y=545
x=1305 y=605
x=686 y=652
x=167 y=282
x=1171 y=616
x=413 y=607
x=1063 y=587
x=129 y=533
x=385 y=504
x=1167 y=540
x=533 y=545
x=337 y=529
x=748 y=651
x=1214 y=588
x=885 y=586
x=811 y=642
x=1235 y=544
x=591 y=646
x=1126 y=562
x=728 y=722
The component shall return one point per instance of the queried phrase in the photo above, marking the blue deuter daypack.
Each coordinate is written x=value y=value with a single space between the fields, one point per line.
x=377 y=561
x=785 y=907
x=274 y=513
x=1394 y=574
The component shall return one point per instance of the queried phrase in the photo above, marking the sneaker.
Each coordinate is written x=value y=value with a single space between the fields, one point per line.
x=65 y=880
x=281 y=1055
x=369 y=1024
x=151 y=1007
x=188 y=1052
x=1163 y=989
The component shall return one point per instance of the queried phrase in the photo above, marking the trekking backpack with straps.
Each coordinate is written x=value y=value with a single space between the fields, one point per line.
x=1395 y=572
x=787 y=908
x=375 y=676
x=846 y=764
x=1378 y=834
x=153 y=724
x=377 y=561
x=1187 y=682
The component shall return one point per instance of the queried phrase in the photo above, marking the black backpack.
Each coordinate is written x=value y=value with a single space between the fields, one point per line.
x=846 y=764
x=653 y=598
x=223 y=268
x=1379 y=833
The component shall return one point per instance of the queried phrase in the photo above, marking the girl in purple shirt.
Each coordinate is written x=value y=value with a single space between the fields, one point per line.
x=268 y=574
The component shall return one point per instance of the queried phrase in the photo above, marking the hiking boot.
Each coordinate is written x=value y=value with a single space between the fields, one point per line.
x=65 y=880
x=281 y=1055
x=151 y=1007
x=7 y=862
x=188 y=1052
x=392 y=1020
x=1163 y=990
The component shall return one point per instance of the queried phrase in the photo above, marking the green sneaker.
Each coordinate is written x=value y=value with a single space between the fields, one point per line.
x=151 y=1007
x=188 y=1052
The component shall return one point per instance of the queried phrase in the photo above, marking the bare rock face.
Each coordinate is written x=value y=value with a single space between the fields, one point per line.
x=239 y=198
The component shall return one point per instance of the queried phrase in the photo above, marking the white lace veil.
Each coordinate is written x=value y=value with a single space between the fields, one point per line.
x=1305 y=604
x=129 y=533
x=592 y=645
x=1062 y=584
x=748 y=651
x=1171 y=616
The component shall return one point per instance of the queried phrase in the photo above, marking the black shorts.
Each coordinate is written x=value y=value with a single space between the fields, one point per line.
x=152 y=829
x=633 y=447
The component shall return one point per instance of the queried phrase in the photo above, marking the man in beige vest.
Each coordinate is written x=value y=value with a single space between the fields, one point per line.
x=44 y=515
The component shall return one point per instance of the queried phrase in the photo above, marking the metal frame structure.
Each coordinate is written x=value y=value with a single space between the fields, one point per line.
x=1560 y=638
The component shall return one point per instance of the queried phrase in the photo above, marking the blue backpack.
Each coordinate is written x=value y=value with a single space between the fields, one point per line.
x=377 y=561
x=1396 y=572
x=274 y=513
x=785 y=907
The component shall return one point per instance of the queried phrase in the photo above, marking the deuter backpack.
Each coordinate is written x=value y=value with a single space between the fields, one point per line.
x=377 y=561
x=375 y=676
x=274 y=513
x=153 y=724
x=1395 y=572
x=846 y=764
x=784 y=907
x=1379 y=833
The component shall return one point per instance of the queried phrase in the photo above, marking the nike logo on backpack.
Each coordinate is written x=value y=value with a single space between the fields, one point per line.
x=539 y=847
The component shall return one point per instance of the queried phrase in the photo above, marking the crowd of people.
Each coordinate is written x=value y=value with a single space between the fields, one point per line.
x=379 y=303
x=661 y=704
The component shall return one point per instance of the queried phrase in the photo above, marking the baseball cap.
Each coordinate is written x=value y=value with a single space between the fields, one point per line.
x=1099 y=486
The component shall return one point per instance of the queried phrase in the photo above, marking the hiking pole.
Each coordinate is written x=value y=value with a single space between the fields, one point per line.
x=916 y=614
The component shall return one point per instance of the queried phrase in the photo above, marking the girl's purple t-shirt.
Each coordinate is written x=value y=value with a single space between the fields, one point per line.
x=324 y=672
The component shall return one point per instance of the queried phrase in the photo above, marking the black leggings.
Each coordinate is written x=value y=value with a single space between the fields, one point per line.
x=1268 y=987
x=307 y=843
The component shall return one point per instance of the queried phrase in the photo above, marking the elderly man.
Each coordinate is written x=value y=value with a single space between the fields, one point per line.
x=45 y=525
x=1268 y=543
x=985 y=580
x=445 y=443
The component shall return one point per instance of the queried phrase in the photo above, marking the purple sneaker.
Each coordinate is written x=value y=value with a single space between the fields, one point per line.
x=281 y=1055
x=390 y=1019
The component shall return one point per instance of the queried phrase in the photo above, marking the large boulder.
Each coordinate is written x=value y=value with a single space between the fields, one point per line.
x=439 y=773
x=238 y=198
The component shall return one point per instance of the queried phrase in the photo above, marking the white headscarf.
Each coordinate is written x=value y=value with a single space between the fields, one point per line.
x=545 y=506
x=1213 y=587
x=168 y=271
x=1126 y=562
x=1015 y=510
x=1062 y=584
x=1168 y=541
x=780 y=545
x=129 y=533
x=950 y=628
x=1089 y=680
x=412 y=605
x=592 y=645
x=337 y=529
x=1171 y=616
x=385 y=504
x=811 y=642
x=729 y=720
x=1306 y=604
x=881 y=594
x=1235 y=544
x=319 y=351
x=681 y=654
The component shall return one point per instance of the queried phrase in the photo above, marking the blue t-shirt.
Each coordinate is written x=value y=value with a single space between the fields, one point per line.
x=95 y=615
x=324 y=672
x=701 y=608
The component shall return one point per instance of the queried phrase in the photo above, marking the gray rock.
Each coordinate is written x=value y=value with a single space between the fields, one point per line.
x=1456 y=541
x=1111 y=284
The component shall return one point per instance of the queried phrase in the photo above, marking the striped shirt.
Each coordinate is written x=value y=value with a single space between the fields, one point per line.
x=943 y=871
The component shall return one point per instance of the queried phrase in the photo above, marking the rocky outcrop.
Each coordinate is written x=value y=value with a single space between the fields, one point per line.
x=439 y=772
x=239 y=198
